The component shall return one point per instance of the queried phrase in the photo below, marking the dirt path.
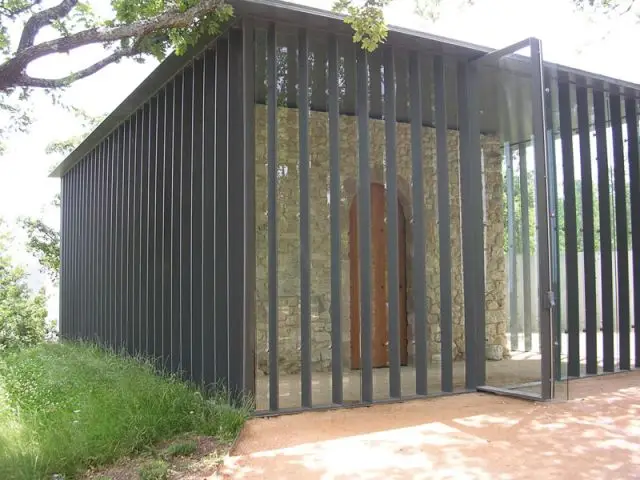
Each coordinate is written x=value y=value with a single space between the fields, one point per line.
x=474 y=436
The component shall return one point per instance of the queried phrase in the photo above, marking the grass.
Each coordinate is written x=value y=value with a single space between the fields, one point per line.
x=154 y=470
x=68 y=407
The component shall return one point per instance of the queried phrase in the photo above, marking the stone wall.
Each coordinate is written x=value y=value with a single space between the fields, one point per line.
x=289 y=237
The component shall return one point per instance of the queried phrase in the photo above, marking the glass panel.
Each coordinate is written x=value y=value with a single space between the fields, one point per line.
x=513 y=346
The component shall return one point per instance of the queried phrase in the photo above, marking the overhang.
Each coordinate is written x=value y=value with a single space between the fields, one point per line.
x=504 y=87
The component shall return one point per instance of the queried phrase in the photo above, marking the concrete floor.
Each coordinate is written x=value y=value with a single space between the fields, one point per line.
x=595 y=435
x=521 y=369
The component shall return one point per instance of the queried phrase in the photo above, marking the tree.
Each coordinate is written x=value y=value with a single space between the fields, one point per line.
x=22 y=313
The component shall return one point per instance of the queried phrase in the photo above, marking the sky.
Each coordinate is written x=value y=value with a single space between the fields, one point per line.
x=589 y=42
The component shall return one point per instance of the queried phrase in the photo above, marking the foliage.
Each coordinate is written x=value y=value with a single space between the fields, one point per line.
x=367 y=21
x=22 y=313
x=181 y=449
x=561 y=212
x=68 y=407
x=43 y=242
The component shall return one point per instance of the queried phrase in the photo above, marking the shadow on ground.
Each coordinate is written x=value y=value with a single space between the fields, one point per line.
x=476 y=436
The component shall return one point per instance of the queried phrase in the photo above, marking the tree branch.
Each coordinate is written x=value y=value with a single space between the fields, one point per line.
x=41 y=19
x=25 y=80
x=13 y=69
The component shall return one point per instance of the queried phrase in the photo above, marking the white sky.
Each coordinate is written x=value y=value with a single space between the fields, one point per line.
x=596 y=44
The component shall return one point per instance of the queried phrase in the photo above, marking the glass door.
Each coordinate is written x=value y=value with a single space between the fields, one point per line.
x=519 y=288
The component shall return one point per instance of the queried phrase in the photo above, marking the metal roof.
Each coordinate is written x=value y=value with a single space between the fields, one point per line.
x=314 y=18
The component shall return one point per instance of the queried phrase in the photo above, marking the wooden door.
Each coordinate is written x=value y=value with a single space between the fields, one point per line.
x=379 y=279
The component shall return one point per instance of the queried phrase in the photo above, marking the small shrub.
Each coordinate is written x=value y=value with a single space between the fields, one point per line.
x=22 y=313
x=154 y=470
x=181 y=449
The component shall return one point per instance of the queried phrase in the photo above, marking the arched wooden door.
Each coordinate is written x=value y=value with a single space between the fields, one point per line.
x=379 y=277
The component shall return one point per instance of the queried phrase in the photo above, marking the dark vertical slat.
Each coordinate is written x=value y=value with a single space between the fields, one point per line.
x=94 y=179
x=543 y=220
x=81 y=235
x=62 y=282
x=402 y=92
x=120 y=250
x=606 y=268
x=335 y=195
x=91 y=247
x=236 y=210
x=64 y=260
x=80 y=282
x=152 y=333
x=86 y=230
x=71 y=252
x=128 y=174
x=364 y=225
x=427 y=107
x=159 y=303
x=318 y=77
x=186 y=197
x=393 y=222
x=144 y=229
x=526 y=246
x=221 y=203
x=77 y=241
x=417 y=194
x=261 y=71
x=111 y=240
x=305 y=247
x=102 y=247
x=631 y=116
x=349 y=79
x=209 y=294
x=124 y=336
x=73 y=239
x=167 y=226
x=272 y=174
x=89 y=262
x=136 y=225
x=472 y=227
x=375 y=82
x=196 y=223
x=249 y=187
x=511 y=235
x=155 y=227
x=570 y=230
x=97 y=245
x=292 y=72
x=622 y=253
x=588 y=230
x=176 y=207
x=444 y=227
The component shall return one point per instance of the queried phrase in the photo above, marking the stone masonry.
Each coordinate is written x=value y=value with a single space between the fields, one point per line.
x=288 y=194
